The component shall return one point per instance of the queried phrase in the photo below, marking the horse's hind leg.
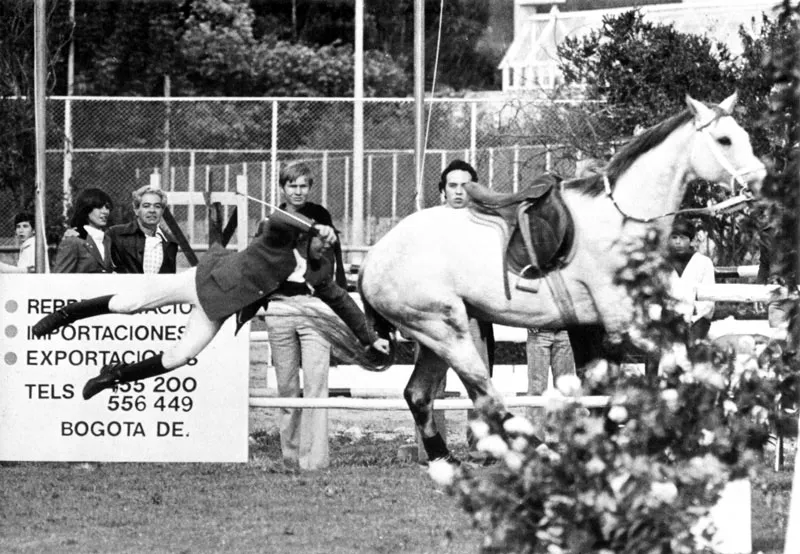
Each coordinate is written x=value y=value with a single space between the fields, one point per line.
x=425 y=382
x=446 y=344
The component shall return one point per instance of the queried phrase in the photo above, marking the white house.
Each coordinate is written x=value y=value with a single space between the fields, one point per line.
x=530 y=62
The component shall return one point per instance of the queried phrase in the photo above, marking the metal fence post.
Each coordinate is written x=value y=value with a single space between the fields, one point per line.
x=274 y=154
x=190 y=189
x=263 y=189
x=491 y=168
x=369 y=200
x=473 y=133
x=394 y=188
x=243 y=221
x=347 y=229
x=324 y=198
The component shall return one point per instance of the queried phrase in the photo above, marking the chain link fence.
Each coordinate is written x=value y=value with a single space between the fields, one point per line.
x=118 y=144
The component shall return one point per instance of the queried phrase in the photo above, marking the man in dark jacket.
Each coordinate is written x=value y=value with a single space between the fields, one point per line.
x=141 y=246
x=224 y=283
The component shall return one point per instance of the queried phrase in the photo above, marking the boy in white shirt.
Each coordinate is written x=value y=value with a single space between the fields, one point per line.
x=25 y=229
x=691 y=269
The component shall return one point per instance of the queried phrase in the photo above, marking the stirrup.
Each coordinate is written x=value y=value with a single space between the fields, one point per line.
x=528 y=284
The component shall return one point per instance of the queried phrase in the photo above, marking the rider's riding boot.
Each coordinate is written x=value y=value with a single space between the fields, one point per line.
x=116 y=374
x=70 y=313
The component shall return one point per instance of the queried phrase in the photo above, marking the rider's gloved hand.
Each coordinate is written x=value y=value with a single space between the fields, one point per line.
x=382 y=346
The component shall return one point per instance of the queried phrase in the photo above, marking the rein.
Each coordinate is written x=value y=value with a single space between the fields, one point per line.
x=726 y=205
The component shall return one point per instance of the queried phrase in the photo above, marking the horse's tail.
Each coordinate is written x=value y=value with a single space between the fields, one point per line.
x=382 y=326
x=345 y=346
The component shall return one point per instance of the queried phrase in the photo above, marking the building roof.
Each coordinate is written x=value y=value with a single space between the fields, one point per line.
x=540 y=34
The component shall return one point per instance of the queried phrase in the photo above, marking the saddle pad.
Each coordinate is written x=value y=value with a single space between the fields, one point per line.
x=552 y=234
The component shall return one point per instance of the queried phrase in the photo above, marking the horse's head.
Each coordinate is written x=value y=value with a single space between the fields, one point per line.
x=723 y=152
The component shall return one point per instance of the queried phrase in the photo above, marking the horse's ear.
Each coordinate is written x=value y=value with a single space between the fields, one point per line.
x=702 y=113
x=729 y=103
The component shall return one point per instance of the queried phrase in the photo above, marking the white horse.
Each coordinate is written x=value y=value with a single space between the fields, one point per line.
x=437 y=265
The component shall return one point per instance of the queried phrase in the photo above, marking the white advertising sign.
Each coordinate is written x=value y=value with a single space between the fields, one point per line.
x=196 y=413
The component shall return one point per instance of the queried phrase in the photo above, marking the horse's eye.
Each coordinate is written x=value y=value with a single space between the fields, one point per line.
x=724 y=141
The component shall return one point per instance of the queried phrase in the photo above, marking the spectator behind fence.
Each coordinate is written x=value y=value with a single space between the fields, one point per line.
x=691 y=269
x=86 y=248
x=141 y=246
x=295 y=345
x=548 y=350
x=451 y=187
x=703 y=243
x=772 y=265
x=25 y=229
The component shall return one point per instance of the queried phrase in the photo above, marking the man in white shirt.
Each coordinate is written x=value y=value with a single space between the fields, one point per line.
x=691 y=269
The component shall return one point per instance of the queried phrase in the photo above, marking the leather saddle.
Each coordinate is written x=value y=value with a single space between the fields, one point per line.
x=540 y=228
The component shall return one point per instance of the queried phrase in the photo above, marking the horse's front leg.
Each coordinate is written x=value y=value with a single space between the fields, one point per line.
x=589 y=342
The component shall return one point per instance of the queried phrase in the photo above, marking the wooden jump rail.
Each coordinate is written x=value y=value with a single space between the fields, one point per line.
x=388 y=404
x=739 y=293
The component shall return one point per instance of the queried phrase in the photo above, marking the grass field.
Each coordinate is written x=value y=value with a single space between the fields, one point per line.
x=367 y=502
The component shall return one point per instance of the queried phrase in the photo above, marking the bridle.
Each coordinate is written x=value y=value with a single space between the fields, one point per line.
x=736 y=175
x=736 y=178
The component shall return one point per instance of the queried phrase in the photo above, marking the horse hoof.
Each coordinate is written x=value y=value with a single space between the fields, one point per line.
x=452 y=460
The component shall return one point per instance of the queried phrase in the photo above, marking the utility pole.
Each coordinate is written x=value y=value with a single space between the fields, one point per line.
x=357 y=234
x=68 y=146
x=40 y=117
x=419 y=100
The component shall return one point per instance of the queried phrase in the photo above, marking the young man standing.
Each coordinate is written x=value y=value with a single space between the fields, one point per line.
x=295 y=345
x=451 y=187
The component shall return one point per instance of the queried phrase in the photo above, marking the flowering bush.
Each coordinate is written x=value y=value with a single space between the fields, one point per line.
x=637 y=476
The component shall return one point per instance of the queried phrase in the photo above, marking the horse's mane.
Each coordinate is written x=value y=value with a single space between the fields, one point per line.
x=629 y=153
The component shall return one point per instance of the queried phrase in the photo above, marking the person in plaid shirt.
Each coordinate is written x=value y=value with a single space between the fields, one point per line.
x=141 y=246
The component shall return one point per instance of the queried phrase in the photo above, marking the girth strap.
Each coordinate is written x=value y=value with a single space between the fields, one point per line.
x=562 y=297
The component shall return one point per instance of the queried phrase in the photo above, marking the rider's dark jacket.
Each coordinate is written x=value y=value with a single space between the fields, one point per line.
x=240 y=283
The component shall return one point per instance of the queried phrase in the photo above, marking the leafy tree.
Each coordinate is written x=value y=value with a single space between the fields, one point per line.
x=643 y=70
x=125 y=47
x=17 y=140
x=465 y=60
